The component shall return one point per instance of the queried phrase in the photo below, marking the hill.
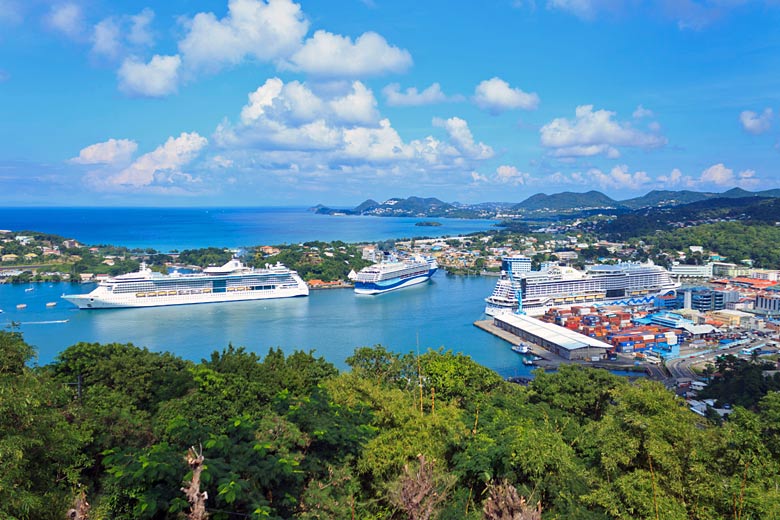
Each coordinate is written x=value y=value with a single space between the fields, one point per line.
x=567 y=201
x=754 y=209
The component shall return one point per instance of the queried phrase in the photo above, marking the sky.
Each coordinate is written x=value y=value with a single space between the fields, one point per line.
x=283 y=103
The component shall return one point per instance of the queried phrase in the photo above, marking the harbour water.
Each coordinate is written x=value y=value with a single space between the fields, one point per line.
x=166 y=229
x=331 y=322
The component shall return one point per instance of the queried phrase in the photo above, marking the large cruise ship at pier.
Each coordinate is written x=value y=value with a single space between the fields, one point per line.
x=625 y=283
x=387 y=276
x=231 y=282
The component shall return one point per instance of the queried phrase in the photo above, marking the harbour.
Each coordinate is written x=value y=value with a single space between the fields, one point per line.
x=331 y=322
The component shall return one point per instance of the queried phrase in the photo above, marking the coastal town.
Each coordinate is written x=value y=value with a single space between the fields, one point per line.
x=720 y=308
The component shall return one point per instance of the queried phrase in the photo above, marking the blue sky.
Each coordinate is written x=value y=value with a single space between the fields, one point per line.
x=272 y=102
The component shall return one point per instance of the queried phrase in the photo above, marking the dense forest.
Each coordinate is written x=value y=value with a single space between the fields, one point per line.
x=397 y=437
x=736 y=241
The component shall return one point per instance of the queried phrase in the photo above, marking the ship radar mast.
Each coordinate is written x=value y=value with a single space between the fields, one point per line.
x=517 y=288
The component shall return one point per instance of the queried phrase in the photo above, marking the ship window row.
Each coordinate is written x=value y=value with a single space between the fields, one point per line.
x=173 y=285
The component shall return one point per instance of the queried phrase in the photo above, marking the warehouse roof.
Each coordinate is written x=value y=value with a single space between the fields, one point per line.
x=563 y=337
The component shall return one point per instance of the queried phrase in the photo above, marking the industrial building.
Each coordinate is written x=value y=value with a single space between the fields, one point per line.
x=563 y=342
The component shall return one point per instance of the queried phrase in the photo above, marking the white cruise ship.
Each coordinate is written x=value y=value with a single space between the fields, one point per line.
x=621 y=284
x=388 y=276
x=231 y=282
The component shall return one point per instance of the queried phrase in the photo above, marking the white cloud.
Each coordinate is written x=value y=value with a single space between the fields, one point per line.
x=593 y=133
x=290 y=129
x=718 y=174
x=332 y=55
x=496 y=96
x=461 y=137
x=140 y=31
x=675 y=178
x=113 y=151
x=477 y=177
x=112 y=36
x=157 y=78
x=358 y=106
x=161 y=166
x=411 y=96
x=641 y=112
x=755 y=123
x=66 y=18
x=620 y=178
x=506 y=174
x=252 y=28
x=106 y=38
x=294 y=103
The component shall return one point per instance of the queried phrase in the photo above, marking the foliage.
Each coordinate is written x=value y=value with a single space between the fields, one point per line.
x=205 y=257
x=400 y=436
x=327 y=261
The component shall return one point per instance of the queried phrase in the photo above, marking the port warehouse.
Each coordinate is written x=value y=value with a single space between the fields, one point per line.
x=563 y=342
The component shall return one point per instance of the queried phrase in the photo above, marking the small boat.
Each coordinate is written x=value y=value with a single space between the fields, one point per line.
x=51 y=304
x=29 y=289
x=21 y=306
x=522 y=348
x=528 y=362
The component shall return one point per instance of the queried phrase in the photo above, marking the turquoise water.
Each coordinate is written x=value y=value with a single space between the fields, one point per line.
x=165 y=229
x=331 y=322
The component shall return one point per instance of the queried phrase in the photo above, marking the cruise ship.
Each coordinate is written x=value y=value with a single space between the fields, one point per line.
x=231 y=282
x=388 y=276
x=627 y=283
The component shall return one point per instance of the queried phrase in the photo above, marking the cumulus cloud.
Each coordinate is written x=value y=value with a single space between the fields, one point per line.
x=114 y=36
x=291 y=129
x=718 y=174
x=594 y=133
x=113 y=151
x=412 y=97
x=291 y=104
x=477 y=177
x=161 y=166
x=251 y=29
x=506 y=174
x=460 y=135
x=619 y=177
x=140 y=28
x=106 y=38
x=496 y=96
x=641 y=112
x=675 y=178
x=333 y=55
x=157 y=78
x=756 y=123
x=66 y=18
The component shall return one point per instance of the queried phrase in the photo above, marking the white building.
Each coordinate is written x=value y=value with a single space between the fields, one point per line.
x=691 y=271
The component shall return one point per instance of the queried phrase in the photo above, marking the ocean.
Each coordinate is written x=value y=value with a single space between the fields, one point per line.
x=167 y=229
x=332 y=323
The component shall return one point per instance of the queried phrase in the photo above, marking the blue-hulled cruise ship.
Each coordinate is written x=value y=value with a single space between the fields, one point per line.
x=388 y=276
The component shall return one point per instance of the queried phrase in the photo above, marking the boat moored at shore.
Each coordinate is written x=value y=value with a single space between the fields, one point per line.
x=626 y=283
x=230 y=282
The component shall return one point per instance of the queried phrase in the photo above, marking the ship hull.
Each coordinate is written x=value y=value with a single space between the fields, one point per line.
x=391 y=285
x=90 y=301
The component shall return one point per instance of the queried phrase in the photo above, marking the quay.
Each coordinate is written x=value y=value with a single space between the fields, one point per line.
x=557 y=345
